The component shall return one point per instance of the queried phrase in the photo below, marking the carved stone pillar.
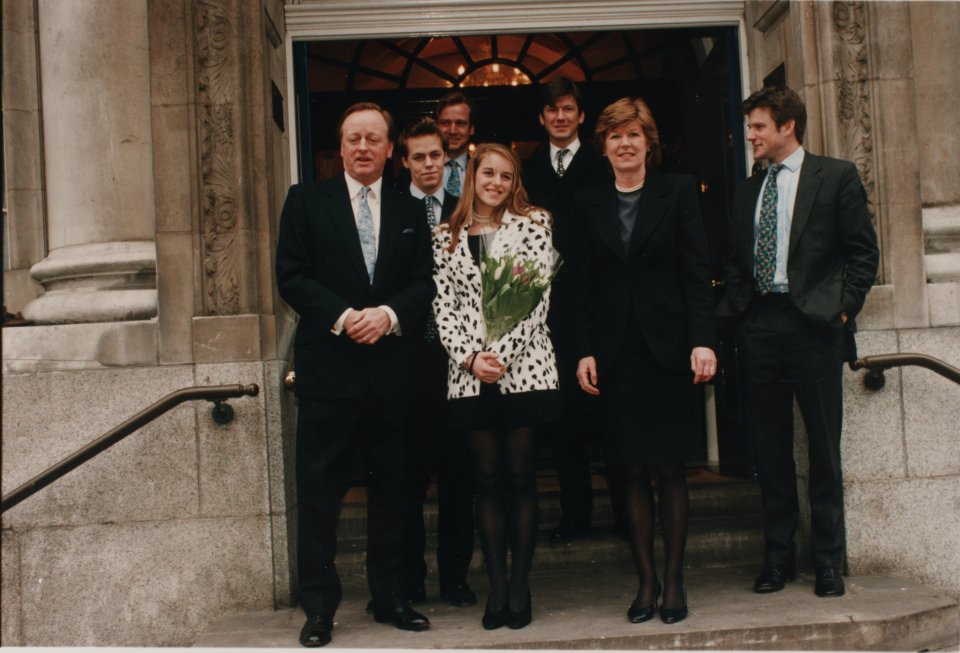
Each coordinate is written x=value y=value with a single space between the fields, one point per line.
x=97 y=148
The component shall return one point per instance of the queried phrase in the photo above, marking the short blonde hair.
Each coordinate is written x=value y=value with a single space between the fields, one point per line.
x=627 y=110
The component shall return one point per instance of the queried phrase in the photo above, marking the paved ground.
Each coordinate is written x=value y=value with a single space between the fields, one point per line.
x=585 y=607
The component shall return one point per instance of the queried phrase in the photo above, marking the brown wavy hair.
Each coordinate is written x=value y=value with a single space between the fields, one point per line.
x=516 y=201
x=627 y=110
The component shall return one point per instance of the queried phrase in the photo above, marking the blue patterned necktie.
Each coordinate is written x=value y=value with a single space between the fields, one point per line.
x=766 y=255
x=368 y=239
x=560 y=168
x=453 y=181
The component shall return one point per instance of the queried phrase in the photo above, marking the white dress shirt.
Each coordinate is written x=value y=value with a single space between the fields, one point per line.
x=568 y=157
x=373 y=201
x=787 y=180
x=438 y=196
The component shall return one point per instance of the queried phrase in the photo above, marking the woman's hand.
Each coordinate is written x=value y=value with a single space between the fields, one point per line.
x=703 y=362
x=485 y=366
x=587 y=375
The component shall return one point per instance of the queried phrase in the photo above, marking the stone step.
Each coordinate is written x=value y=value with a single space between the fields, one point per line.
x=738 y=498
x=712 y=542
x=725 y=529
x=584 y=606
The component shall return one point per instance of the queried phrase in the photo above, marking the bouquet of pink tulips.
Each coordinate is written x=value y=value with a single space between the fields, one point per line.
x=512 y=287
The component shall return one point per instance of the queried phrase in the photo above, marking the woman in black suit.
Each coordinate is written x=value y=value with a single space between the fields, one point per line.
x=645 y=337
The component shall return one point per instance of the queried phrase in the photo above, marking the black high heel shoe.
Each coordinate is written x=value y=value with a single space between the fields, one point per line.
x=673 y=615
x=639 y=613
x=520 y=619
x=496 y=619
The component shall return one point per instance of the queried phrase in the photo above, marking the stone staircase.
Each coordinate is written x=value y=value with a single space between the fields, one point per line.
x=581 y=591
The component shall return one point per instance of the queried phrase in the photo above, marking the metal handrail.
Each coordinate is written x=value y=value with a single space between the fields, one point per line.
x=875 y=366
x=222 y=413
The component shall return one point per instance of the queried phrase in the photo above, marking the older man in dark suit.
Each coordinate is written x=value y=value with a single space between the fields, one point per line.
x=354 y=260
x=803 y=254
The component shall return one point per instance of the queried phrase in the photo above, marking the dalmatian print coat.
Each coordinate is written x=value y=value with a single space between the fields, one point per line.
x=526 y=351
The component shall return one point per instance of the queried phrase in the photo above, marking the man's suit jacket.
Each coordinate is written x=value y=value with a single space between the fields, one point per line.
x=321 y=273
x=664 y=277
x=832 y=256
x=553 y=193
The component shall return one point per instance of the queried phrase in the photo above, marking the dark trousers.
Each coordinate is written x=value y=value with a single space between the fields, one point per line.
x=328 y=434
x=785 y=357
x=435 y=452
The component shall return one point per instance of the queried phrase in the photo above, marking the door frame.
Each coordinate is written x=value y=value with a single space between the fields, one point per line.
x=328 y=20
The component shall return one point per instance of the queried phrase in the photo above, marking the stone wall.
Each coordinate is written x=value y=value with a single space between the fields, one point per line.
x=181 y=522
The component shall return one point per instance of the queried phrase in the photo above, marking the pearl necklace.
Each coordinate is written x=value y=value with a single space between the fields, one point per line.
x=479 y=219
x=632 y=189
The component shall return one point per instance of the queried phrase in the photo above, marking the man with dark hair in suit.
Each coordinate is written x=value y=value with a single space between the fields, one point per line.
x=803 y=254
x=559 y=168
x=423 y=152
x=354 y=261
x=456 y=114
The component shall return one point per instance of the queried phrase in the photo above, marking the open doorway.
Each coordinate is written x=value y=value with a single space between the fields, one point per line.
x=690 y=77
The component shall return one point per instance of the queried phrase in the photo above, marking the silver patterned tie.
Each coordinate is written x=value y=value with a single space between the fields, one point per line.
x=368 y=239
x=431 y=212
x=560 y=154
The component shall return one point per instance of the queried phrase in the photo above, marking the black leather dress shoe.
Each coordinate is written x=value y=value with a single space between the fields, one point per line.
x=459 y=595
x=829 y=582
x=639 y=611
x=316 y=632
x=773 y=577
x=402 y=616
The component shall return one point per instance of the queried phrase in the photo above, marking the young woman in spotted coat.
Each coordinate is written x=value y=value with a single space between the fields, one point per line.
x=499 y=392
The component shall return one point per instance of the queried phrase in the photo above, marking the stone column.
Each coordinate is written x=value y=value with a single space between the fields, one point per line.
x=97 y=149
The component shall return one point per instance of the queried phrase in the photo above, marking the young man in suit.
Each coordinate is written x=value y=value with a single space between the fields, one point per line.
x=803 y=254
x=354 y=261
x=423 y=152
x=552 y=175
x=456 y=114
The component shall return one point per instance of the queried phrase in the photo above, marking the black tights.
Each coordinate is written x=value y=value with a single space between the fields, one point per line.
x=506 y=506
x=674 y=508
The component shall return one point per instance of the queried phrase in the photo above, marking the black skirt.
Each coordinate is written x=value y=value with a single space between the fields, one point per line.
x=650 y=415
x=493 y=410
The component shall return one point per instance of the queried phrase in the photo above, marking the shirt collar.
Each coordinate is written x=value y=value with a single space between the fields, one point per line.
x=354 y=186
x=573 y=147
x=419 y=194
x=461 y=160
x=794 y=161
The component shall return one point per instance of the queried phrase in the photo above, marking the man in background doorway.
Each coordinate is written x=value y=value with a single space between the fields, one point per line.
x=456 y=114
x=558 y=169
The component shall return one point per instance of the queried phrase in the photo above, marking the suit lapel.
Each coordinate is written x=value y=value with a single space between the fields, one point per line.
x=390 y=226
x=746 y=219
x=807 y=187
x=346 y=225
x=650 y=212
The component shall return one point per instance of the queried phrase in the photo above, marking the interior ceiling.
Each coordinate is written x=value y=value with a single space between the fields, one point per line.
x=498 y=60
